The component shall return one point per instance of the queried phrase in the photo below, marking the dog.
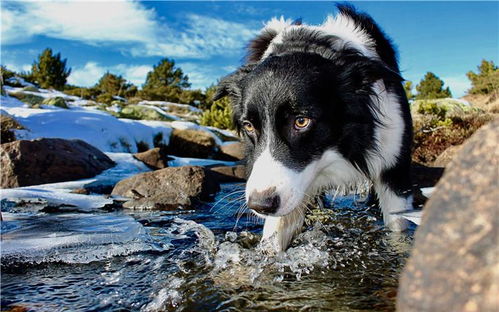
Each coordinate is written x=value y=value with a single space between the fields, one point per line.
x=319 y=107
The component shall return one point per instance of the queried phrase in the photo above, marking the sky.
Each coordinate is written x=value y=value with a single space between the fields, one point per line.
x=207 y=39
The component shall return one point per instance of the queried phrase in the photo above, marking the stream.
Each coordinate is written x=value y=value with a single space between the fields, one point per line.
x=207 y=259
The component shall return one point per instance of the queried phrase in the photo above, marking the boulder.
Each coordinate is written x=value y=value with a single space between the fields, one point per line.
x=143 y=112
x=7 y=124
x=155 y=158
x=446 y=156
x=234 y=150
x=168 y=188
x=225 y=174
x=454 y=262
x=192 y=143
x=55 y=101
x=49 y=160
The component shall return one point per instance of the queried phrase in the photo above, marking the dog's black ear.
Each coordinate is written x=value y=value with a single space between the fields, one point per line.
x=231 y=85
x=362 y=72
x=258 y=46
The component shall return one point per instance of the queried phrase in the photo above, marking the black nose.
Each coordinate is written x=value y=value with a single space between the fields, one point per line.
x=266 y=202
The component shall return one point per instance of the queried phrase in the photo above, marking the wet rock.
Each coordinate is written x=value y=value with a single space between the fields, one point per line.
x=226 y=174
x=155 y=158
x=192 y=143
x=234 y=150
x=55 y=101
x=81 y=191
x=453 y=266
x=49 y=160
x=168 y=188
x=7 y=124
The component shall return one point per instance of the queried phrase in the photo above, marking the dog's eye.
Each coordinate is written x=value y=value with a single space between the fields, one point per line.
x=248 y=126
x=302 y=123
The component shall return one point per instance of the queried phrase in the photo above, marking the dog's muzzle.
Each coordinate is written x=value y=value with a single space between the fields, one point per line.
x=264 y=202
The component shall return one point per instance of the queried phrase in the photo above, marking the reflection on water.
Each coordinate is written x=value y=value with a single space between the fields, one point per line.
x=203 y=261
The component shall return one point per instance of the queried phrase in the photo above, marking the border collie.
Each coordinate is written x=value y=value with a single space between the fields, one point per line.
x=320 y=107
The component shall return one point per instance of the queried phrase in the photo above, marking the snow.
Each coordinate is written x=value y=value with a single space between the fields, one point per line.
x=98 y=128
x=44 y=93
x=19 y=80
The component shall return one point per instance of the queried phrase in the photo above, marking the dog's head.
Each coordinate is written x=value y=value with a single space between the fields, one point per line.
x=299 y=113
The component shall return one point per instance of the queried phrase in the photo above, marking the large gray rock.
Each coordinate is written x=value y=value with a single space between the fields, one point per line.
x=49 y=160
x=454 y=264
x=167 y=189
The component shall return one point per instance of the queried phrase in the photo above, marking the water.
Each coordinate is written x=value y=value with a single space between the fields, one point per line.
x=203 y=260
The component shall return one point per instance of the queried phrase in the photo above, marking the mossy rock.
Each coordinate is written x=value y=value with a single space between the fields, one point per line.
x=441 y=107
x=32 y=100
x=55 y=101
x=31 y=89
x=141 y=112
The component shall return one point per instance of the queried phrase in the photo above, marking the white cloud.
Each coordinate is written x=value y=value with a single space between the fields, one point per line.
x=202 y=76
x=18 y=68
x=458 y=84
x=90 y=73
x=90 y=22
x=114 y=22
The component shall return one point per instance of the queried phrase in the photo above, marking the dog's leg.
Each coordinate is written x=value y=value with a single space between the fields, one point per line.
x=394 y=192
x=279 y=231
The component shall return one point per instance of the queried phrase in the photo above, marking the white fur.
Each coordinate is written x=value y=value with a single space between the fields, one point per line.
x=340 y=25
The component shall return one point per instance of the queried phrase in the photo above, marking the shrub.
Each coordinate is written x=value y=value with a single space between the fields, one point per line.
x=105 y=98
x=84 y=93
x=142 y=146
x=487 y=79
x=219 y=115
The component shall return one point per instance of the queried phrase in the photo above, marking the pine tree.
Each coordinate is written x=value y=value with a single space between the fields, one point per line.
x=165 y=82
x=50 y=71
x=487 y=79
x=115 y=85
x=431 y=87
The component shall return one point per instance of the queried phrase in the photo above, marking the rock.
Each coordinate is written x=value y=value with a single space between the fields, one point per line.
x=143 y=112
x=168 y=188
x=55 y=101
x=446 y=156
x=155 y=158
x=226 y=174
x=7 y=124
x=191 y=143
x=454 y=262
x=81 y=191
x=234 y=150
x=34 y=101
x=49 y=160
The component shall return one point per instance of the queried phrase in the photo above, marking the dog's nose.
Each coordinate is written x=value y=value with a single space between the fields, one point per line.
x=265 y=202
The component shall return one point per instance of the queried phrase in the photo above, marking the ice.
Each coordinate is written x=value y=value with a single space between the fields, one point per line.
x=69 y=238
x=185 y=161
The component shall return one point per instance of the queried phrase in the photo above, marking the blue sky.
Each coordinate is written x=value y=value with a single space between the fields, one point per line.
x=207 y=39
